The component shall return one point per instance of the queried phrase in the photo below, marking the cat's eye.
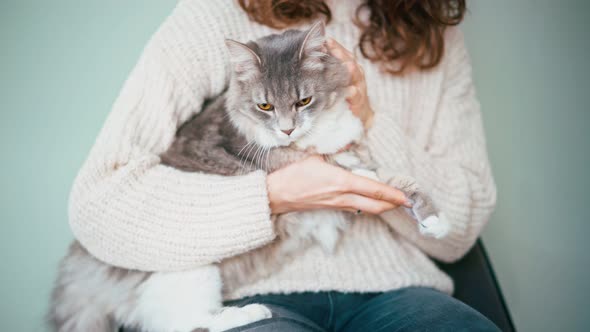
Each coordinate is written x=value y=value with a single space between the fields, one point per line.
x=265 y=107
x=303 y=102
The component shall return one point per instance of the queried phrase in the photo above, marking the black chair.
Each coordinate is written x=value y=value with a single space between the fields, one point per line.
x=476 y=285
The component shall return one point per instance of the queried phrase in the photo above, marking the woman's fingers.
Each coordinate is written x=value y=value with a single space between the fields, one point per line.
x=357 y=75
x=312 y=184
x=354 y=96
x=339 y=51
x=376 y=190
x=355 y=203
x=356 y=72
x=357 y=91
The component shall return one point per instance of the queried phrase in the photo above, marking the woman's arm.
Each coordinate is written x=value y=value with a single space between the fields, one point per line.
x=129 y=210
x=453 y=167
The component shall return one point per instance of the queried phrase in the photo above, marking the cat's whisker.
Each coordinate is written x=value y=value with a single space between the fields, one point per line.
x=257 y=161
x=265 y=158
x=267 y=168
x=259 y=157
x=253 y=160
x=246 y=156
x=244 y=147
x=249 y=158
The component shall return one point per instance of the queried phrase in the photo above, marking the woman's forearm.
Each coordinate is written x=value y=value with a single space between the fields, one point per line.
x=151 y=217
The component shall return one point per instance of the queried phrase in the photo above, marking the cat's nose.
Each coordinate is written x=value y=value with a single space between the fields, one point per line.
x=288 y=131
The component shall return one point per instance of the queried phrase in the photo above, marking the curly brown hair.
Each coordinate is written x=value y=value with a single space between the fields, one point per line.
x=397 y=34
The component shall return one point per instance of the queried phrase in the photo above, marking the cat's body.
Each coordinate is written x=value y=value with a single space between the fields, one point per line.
x=228 y=138
x=123 y=296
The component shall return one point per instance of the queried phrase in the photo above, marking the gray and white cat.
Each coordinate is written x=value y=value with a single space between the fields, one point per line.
x=286 y=97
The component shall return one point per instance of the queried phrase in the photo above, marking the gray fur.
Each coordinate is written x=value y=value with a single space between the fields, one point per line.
x=90 y=295
x=230 y=136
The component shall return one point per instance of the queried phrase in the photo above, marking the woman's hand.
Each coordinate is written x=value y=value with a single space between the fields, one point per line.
x=357 y=99
x=314 y=184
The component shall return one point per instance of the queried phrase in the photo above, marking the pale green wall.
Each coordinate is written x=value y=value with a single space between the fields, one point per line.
x=62 y=63
x=531 y=70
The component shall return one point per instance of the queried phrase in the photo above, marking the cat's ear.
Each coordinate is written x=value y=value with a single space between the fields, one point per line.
x=314 y=47
x=246 y=63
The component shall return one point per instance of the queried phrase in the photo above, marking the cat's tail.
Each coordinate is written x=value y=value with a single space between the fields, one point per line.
x=71 y=308
x=83 y=297
x=81 y=319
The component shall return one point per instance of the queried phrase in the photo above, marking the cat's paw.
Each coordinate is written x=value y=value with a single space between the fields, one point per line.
x=231 y=317
x=437 y=227
x=257 y=311
x=405 y=183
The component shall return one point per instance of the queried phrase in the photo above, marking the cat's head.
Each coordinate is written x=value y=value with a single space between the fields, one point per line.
x=281 y=83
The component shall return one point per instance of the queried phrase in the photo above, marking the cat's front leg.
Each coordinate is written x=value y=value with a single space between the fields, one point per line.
x=431 y=222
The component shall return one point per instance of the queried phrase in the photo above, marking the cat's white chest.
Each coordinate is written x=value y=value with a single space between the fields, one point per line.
x=333 y=130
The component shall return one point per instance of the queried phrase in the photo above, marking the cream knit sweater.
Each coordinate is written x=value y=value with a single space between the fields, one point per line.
x=130 y=211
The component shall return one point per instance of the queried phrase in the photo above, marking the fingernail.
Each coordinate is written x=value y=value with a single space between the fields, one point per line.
x=408 y=204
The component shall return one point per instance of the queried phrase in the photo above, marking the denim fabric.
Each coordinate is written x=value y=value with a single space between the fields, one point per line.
x=409 y=309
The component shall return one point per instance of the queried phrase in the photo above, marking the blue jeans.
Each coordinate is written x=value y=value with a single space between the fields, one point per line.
x=408 y=309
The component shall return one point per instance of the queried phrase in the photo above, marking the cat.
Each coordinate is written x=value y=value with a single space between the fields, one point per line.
x=285 y=100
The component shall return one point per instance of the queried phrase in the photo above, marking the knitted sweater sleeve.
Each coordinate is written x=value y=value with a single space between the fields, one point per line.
x=452 y=166
x=128 y=209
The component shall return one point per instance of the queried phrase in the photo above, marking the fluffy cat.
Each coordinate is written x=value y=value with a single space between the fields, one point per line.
x=286 y=97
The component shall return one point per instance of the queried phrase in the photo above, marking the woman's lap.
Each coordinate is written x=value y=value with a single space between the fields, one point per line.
x=416 y=309
x=408 y=309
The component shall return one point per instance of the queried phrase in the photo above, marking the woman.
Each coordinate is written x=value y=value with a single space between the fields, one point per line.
x=412 y=88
